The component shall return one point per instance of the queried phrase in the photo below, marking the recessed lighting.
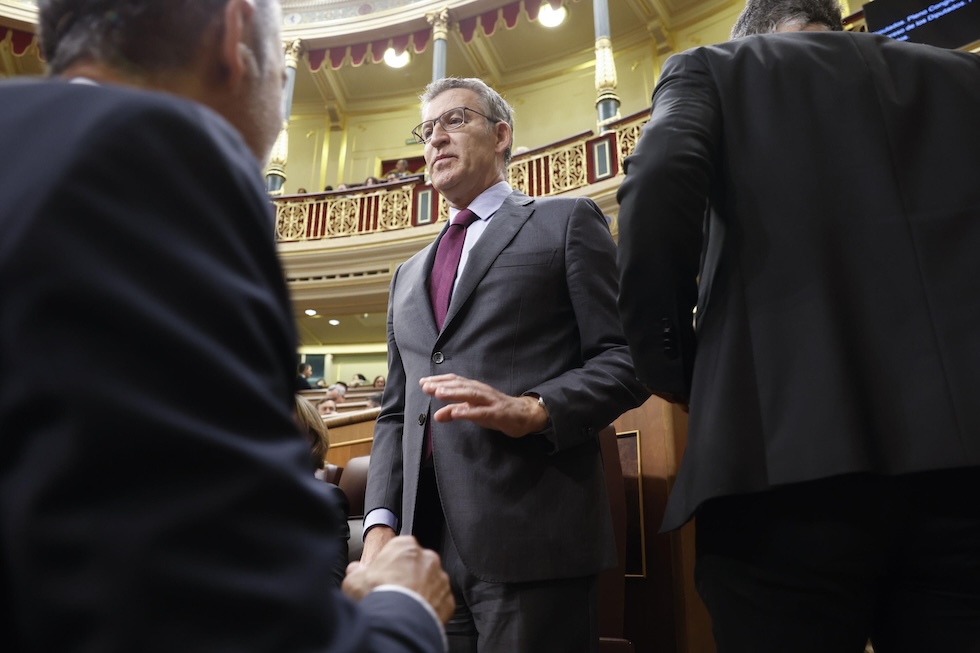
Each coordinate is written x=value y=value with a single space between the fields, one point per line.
x=333 y=322
x=397 y=60
x=310 y=312
x=551 y=17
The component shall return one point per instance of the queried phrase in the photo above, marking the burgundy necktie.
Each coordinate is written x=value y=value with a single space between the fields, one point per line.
x=447 y=260
x=441 y=282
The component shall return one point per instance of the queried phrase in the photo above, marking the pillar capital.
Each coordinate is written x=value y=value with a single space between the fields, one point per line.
x=275 y=172
x=293 y=50
x=440 y=23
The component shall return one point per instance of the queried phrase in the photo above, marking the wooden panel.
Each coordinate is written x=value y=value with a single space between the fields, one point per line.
x=663 y=610
x=351 y=435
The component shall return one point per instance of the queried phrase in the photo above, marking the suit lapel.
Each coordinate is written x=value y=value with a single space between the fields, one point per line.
x=417 y=279
x=506 y=222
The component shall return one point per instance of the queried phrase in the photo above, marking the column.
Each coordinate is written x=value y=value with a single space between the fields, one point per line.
x=440 y=32
x=275 y=174
x=607 y=100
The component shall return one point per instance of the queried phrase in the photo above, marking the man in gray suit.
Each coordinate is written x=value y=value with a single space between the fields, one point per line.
x=486 y=445
x=833 y=454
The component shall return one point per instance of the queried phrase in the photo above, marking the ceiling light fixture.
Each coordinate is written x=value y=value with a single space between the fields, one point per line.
x=333 y=322
x=397 y=60
x=551 y=17
x=310 y=312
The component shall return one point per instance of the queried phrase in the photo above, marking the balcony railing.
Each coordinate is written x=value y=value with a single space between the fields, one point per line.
x=568 y=165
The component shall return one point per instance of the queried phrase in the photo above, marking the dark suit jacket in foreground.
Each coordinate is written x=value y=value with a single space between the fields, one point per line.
x=840 y=288
x=534 y=311
x=144 y=507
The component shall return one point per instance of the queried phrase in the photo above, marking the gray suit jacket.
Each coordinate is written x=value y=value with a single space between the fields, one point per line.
x=533 y=312
x=837 y=306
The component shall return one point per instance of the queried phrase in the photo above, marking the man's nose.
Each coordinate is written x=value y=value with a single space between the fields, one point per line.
x=439 y=134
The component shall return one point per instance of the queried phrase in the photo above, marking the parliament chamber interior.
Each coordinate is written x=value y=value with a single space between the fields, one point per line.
x=352 y=201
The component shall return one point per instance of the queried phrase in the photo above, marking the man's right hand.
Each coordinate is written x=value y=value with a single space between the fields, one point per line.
x=403 y=562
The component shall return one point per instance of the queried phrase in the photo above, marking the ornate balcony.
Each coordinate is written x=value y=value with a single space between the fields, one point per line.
x=584 y=164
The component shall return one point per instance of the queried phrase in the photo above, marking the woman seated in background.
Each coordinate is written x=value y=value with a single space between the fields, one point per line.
x=379 y=381
x=357 y=381
x=311 y=425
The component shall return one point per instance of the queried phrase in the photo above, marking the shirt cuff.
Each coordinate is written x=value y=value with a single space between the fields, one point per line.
x=418 y=597
x=379 y=517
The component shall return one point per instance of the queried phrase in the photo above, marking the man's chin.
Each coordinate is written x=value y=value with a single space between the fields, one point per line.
x=441 y=181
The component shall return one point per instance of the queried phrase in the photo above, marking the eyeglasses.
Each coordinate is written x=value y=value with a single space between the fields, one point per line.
x=450 y=121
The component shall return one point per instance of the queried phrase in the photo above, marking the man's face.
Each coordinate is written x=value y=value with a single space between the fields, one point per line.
x=327 y=407
x=465 y=162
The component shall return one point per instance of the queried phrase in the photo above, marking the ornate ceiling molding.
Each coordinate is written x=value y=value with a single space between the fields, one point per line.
x=18 y=13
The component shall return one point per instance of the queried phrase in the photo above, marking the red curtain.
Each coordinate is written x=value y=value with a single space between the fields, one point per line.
x=19 y=40
x=486 y=22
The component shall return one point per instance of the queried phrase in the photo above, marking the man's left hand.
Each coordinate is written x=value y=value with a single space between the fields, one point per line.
x=479 y=403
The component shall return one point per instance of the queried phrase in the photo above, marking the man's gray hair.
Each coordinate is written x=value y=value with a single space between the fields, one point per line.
x=135 y=37
x=766 y=16
x=491 y=102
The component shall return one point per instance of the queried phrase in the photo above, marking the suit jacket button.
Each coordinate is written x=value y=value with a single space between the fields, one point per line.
x=437 y=357
x=421 y=419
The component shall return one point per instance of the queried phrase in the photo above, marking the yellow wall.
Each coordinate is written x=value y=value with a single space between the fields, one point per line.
x=306 y=147
x=710 y=30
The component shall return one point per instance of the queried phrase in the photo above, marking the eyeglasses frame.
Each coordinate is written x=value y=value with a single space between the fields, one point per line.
x=417 y=131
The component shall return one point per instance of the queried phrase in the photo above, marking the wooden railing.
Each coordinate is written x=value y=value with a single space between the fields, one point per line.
x=568 y=165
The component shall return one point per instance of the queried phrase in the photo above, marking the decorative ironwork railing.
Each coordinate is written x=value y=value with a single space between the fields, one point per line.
x=567 y=165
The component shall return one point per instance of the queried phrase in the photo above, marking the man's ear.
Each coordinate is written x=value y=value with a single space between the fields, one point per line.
x=504 y=137
x=234 y=44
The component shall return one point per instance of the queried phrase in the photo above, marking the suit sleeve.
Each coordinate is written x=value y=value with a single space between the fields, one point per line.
x=385 y=477
x=156 y=494
x=663 y=201
x=587 y=398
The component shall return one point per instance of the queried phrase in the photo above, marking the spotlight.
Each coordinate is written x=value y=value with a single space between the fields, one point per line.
x=397 y=60
x=550 y=17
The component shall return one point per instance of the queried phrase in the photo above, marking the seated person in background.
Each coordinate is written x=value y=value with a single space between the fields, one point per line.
x=326 y=406
x=374 y=401
x=301 y=191
x=379 y=381
x=358 y=380
x=336 y=392
x=303 y=373
x=401 y=168
x=327 y=188
x=371 y=181
x=392 y=176
x=312 y=427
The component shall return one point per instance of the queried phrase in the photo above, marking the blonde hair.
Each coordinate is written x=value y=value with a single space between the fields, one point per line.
x=311 y=425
